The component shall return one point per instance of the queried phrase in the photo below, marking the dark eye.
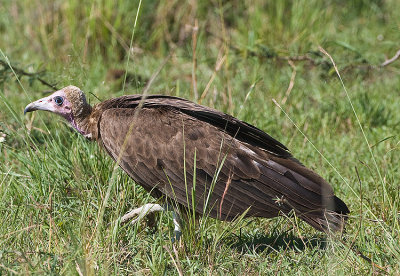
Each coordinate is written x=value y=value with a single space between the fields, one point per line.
x=58 y=100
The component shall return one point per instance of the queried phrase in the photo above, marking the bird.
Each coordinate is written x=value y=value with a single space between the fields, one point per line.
x=200 y=159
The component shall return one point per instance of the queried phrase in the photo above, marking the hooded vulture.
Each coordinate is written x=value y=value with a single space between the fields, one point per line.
x=200 y=158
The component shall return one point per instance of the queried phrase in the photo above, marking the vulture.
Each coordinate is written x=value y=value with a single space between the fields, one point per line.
x=199 y=158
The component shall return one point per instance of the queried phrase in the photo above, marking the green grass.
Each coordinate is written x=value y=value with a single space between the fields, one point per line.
x=59 y=204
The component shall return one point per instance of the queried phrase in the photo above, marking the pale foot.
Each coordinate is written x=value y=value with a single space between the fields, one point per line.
x=149 y=208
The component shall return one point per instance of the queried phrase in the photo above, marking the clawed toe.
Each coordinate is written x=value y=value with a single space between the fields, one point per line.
x=130 y=215
x=150 y=208
x=141 y=212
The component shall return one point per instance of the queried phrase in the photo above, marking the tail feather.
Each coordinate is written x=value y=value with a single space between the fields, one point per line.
x=333 y=219
x=306 y=192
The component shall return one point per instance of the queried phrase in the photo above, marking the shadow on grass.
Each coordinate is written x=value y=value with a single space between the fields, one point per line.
x=274 y=242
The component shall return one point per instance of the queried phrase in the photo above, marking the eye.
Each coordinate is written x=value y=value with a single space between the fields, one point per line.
x=58 y=100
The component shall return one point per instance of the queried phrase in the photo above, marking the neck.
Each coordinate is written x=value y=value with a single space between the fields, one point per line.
x=79 y=120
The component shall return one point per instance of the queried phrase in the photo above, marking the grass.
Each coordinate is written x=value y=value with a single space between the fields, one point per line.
x=59 y=204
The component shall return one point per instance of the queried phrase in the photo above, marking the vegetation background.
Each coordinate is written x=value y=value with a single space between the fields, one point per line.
x=60 y=198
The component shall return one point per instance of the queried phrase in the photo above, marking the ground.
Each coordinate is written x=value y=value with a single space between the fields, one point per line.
x=61 y=196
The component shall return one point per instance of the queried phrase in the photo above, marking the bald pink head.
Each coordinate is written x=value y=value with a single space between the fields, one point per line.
x=69 y=102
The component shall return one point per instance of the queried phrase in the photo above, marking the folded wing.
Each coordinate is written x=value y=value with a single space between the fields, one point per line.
x=185 y=151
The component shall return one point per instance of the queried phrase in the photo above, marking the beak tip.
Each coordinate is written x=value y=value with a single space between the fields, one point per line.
x=29 y=108
x=42 y=104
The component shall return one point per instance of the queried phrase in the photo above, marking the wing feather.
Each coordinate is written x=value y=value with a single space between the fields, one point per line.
x=163 y=147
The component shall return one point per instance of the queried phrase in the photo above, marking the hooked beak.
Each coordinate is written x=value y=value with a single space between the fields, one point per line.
x=42 y=104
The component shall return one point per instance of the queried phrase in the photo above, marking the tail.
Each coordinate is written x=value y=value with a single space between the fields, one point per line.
x=332 y=219
x=313 y=198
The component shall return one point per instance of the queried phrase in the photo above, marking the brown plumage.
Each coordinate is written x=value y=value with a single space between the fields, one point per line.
x=165 y=142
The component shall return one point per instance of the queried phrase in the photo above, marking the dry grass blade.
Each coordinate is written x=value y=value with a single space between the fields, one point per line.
x=112 y=180
x=78 y=269
x=359 y=124
x=176 y=262
x=312 y=144
x=391 y=60
x=291 y=83
x=194 y=59
x=155 y=74
x=130 y=45
x=20 y=230
x=8 y=269
x=220 y=62
x=118 y=37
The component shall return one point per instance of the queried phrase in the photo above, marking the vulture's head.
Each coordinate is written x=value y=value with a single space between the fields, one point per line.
x=69 y=102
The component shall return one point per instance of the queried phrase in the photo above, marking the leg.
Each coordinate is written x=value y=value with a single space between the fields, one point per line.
x=177 y=226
